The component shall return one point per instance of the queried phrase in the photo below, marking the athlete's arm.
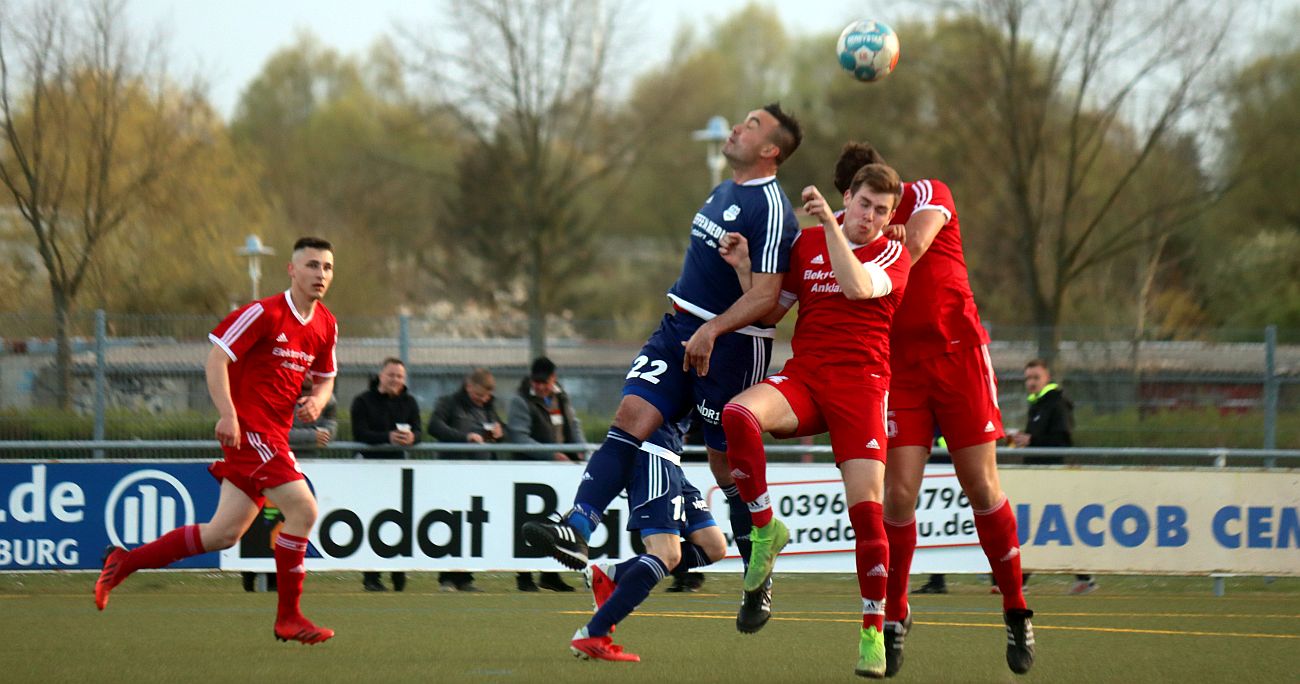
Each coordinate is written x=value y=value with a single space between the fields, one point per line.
x=734 y=249
x=920 y=231
x=754 y=304
x=217 y=372
x=856 y=280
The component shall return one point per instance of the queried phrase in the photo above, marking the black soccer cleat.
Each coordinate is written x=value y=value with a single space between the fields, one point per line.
x=895 y=633
x=560 y=541
x=755 y=609
x=1020 y=640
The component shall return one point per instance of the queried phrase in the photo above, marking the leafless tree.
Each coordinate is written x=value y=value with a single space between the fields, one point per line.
x=90 y=123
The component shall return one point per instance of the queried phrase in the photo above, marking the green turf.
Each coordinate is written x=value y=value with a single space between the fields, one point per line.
x=180 y=627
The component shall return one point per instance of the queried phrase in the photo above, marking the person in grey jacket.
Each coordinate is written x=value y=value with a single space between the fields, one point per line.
x=540 y=413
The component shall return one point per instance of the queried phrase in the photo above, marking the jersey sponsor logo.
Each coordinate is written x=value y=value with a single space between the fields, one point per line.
x=294 y=357
x=809 y=274
x=825 y=287
x=710 y=416
x=817 y=260
x=731 y=213
x=873 y=444
x=282 y=338
x=705 y=229
x=988 y=427
x=145 y=505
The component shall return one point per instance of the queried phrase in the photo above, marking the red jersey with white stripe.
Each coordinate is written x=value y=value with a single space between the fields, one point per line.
x=831 y=328
x=271 y=347
x=938 y=315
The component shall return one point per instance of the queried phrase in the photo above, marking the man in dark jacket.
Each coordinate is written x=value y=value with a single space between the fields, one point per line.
x=467 y=415
x=1050 y=424
x=540 y=413
x=386 y=414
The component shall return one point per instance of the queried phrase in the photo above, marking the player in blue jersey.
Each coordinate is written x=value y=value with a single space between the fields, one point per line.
x=705 y=352
x=677 y=529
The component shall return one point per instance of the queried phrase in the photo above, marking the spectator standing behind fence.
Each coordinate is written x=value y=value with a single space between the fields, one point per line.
x=467 y=415
x=540 y=413
x=1050 y=424
x=305 y=437
x=386 y=414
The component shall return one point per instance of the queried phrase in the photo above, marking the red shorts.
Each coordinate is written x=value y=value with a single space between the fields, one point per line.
x=848 y=402
x=956 y=392
x=260 y=462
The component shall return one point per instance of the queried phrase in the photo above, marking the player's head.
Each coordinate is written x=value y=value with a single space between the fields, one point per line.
x=767 y=137
x=479 y=385
x=854 y=156
x=1037 y=375
x=311 y=267
x=542 y=376
x=870 y=202
x=392 y=376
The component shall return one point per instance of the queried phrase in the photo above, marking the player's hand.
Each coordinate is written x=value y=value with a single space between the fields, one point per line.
x=896 y=232
x=227 y=431
x=309 y=408
x=815 y=205
x=474 y=438
x=698 y=350
x=734 y=249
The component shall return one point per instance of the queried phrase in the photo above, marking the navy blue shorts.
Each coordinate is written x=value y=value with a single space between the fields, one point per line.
x=662 y=501
x=738 y=361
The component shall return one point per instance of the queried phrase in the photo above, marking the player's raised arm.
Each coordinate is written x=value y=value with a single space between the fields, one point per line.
x=216 y=369
x=934 y=209
x=734 y=249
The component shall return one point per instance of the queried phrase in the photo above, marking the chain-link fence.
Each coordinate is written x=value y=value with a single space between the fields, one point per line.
x=141 y=376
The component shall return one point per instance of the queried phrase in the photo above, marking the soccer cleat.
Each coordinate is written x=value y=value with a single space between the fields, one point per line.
x=299 y=628
x=766 y=543
x=1020 y=640
x=599 y=648
x=871 y=654
x=108 y=579
x=895 y=633
x=755 y=609
x=1083 y=587
x=560 y=541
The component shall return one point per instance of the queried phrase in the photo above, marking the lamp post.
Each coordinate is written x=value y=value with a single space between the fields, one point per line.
x=715 y=132
x=254 y=250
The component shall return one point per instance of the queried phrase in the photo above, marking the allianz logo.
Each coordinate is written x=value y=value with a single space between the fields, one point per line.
x=146 y=505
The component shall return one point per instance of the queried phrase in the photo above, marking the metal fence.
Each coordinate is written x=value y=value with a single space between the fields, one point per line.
x=140 y=376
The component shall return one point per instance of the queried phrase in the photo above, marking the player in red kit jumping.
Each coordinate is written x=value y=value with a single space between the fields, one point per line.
x=255 y=369
x=848 y=282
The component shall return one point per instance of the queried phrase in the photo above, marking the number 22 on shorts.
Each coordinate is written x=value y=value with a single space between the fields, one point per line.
x=651 y=376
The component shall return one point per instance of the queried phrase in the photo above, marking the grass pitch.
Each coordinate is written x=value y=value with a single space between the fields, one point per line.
x=181 y=627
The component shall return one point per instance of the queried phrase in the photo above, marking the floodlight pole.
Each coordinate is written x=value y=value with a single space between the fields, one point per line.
x=254 y=250
x=714 y=133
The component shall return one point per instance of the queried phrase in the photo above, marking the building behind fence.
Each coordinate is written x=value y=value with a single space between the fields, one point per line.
x=142 y=375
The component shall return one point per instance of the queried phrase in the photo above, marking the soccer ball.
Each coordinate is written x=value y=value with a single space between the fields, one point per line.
x=868 y=49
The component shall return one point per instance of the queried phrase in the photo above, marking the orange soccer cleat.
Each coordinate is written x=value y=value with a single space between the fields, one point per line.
x=299 y=628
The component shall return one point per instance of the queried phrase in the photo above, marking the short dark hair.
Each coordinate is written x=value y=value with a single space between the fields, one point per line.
x=1038 y=363
x=788 y=133
x=541 y=370
x=390 y=361
x=879 y=178
x=854 y=156
x=312 y=243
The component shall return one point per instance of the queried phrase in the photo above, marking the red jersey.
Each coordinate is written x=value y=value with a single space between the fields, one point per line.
x=271 y=348
x=938 y=315
x=832 y=328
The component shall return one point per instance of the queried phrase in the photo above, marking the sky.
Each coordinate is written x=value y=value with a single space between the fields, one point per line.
x=229 y=41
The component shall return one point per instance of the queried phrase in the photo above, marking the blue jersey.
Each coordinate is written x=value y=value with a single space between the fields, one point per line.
x=758 y=210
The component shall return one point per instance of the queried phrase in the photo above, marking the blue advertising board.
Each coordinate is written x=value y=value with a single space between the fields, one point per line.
x=61 y=515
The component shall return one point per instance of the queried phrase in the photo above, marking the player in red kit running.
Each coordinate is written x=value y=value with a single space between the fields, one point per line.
x=848 y=282
x=255 y=369
x=941 y=378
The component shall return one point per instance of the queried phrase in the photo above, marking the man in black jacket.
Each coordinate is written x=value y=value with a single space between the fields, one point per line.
x=1050 y=424
x=540 y=413
x=386 y=414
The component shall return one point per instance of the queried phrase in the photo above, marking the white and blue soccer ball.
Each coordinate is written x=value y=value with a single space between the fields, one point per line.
x=868 y=49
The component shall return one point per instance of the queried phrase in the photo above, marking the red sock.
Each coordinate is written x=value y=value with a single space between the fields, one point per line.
x=746 y=455
x=902 y=546
x=997 y=532
x=181 y=542
x=289 y=573
x=873 y=560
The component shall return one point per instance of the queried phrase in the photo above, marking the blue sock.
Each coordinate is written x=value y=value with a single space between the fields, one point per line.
x=741 y=523
x=634 y=585
x=608 y=472
x=692 y=557
x=616 y=571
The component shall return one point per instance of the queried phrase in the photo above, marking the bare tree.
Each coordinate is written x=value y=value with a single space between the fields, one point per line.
x=90 y=125
x=1086 y=96
x=528 y=79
